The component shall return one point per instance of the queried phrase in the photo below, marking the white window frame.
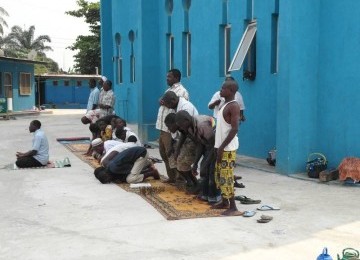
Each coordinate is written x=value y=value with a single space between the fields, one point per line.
x=243 y=48
x=227 y=48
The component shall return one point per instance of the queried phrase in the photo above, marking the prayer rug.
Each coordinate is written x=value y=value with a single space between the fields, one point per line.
x=171 y=201
x=51 y=164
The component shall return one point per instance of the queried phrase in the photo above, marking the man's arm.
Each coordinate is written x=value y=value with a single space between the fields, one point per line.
x=232 y=115
x=27 y=154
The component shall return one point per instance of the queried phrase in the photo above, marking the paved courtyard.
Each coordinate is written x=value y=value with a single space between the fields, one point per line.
x=67 y=214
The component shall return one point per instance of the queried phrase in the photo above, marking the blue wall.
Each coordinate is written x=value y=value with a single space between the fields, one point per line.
x=71 y=96
x=20 y=102
x=311 y=100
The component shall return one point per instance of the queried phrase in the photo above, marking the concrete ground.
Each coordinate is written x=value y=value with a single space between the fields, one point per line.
x=68 y=214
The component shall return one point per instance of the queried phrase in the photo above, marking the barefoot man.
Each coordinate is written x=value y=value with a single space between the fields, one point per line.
x=226 y=143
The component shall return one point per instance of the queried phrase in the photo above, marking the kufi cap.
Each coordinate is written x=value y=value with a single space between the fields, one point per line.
x=96 y=142
x=104 y=78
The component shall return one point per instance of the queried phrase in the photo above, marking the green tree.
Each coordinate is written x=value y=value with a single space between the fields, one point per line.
x=87 y=47
x=21 y=42
x=2 y=20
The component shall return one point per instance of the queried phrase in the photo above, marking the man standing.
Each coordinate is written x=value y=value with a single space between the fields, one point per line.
x=93 y=97
x=39 y=154
x=217 y=102
x=106 y=99
x=226 y=143
x=173 y=80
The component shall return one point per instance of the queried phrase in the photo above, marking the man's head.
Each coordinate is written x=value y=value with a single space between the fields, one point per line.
x=102 y=124
x=94 y=128
x=34 y=125
x=102 y=175
x=85 y=120
x=173 y=76
x=183 y=120
x=117 y=122
x=120 y=133
x=92 y=83
x=171 y=123
x=97 y=145
x=229 y=88
x=102 y=80
x=107 y=85
x=170 y=99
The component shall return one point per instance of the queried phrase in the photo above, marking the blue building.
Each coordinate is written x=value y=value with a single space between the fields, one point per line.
x=17 y=84
x=64 y=90
x=296 y=63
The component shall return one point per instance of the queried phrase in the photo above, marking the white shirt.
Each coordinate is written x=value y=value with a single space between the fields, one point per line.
x=118 y=148
x=128 y=134
x=110 y=144
x=187 y=106
x=41 y=145
x=216 y=96
x=180 y=91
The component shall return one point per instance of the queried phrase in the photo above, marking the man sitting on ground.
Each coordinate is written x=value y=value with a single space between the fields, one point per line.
x=131 y=165
x=39 y=154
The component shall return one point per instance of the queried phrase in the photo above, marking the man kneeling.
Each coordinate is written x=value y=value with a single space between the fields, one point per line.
x=131 y=165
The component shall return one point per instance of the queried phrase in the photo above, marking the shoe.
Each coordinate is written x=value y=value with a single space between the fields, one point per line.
x=239 y=185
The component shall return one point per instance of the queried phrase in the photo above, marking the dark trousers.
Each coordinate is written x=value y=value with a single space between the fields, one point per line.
x=28 y=162
x=164 y=146
x=207 y=171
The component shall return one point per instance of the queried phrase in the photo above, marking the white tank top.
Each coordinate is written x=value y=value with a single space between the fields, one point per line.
x=222 y=130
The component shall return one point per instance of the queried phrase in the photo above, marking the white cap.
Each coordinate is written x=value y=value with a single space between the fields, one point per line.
x=104 y=78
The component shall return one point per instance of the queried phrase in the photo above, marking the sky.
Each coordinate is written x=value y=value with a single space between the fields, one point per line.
x=49 y=18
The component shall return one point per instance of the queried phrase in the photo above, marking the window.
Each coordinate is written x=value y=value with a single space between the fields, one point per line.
x=1 y=85
x=66 y=83
x=25 y=85
x=132 y=56
x=187 y=53
x=170 y=48
x=118 y=59
x=55 y=82
x=8 y=84
x=244 y=46
x=224 y=49
x=79 y=83
x=274 y=43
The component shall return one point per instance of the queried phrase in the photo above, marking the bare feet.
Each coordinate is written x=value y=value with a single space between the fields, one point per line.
x=232 y=212
x=221 y=205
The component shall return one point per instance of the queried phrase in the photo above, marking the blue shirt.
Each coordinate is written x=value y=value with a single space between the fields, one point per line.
x=93 y=98
x=41 y=145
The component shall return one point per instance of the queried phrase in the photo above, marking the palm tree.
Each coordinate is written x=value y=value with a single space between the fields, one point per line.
x=2 y=20
x=21 y=42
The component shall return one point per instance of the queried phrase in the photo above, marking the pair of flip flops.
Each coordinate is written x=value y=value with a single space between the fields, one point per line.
x=267 y=208
x=246 y=200
x=264 y=219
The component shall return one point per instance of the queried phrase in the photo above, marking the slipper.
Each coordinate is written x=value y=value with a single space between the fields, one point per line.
x=249 y=213
x=265 y=217
x=263 y=220
x=267 y=207
x=148 y=146
x=249 y=201
x=246 y=200
x=239 y=185
x=155 y=160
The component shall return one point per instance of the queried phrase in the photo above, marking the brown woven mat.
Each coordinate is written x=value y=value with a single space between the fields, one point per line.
x=171 y=201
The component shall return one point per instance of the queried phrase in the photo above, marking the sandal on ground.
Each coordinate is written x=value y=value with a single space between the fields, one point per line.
x=239 y=185
x=267 y=207
x=246 y=200
x=249 y=213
